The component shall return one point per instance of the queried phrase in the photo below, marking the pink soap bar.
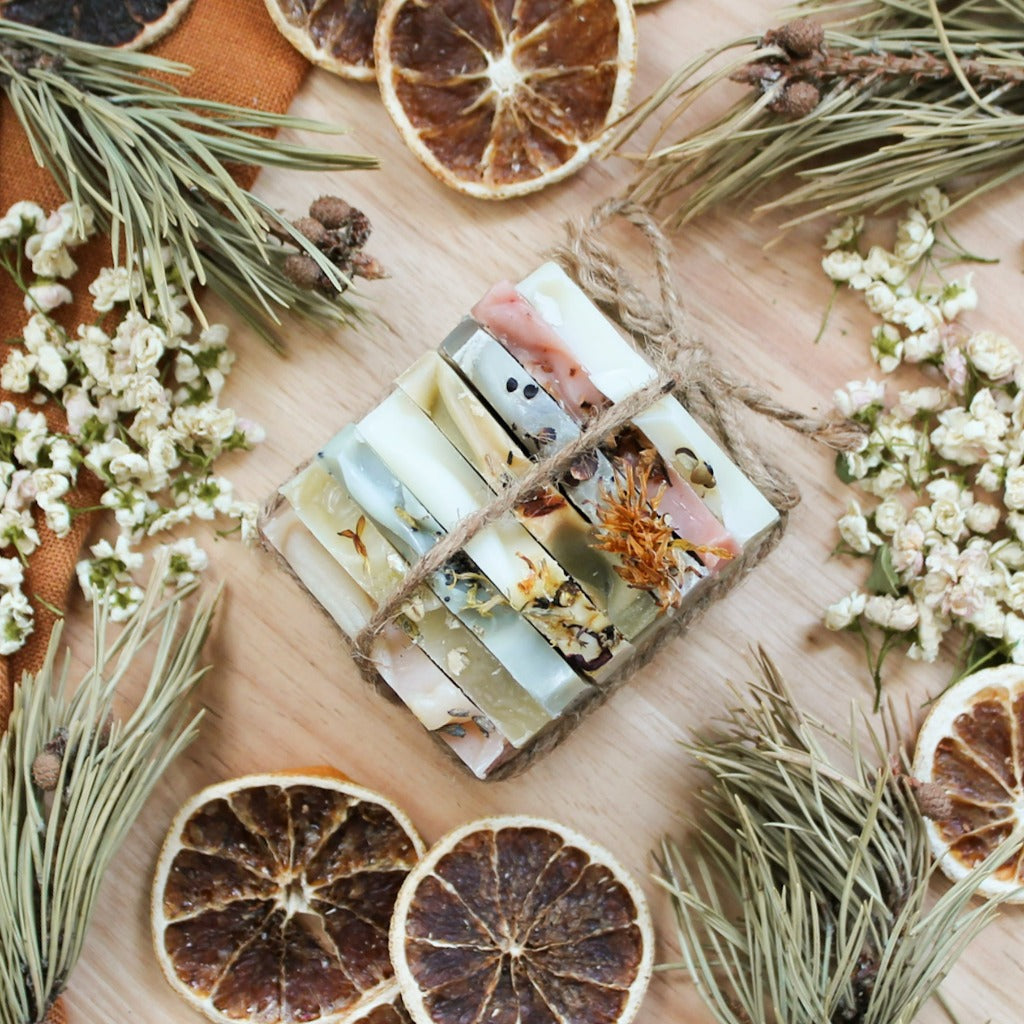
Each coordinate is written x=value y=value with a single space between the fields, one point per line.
x=539 y=347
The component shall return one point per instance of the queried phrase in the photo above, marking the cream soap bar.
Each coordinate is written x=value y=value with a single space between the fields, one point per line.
x=341 y=527
x=539 y=670
x=530 y=580
x=428 y=693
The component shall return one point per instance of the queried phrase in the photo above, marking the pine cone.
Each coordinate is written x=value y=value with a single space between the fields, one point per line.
x=933 y=801
x=331 y=211
x=313 y=230
x=350 y=235
x=797 y=100
x=800 y=38
x=301 y=269
x=46 y=770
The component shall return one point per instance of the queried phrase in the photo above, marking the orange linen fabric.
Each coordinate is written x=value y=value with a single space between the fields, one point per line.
x=239 y=57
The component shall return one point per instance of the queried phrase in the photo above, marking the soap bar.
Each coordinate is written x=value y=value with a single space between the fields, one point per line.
x=428 y=693
x=531 y=581
x=342 y=528
x=533 y=619
x=544 y=676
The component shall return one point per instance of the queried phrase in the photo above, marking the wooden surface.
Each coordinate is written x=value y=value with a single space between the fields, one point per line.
x=284 y=694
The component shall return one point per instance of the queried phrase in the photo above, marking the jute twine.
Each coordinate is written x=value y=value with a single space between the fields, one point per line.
x=685 y=369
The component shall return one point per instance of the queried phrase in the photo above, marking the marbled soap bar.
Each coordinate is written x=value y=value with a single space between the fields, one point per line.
x=466 y=592
x=342 y=528
x=546 y=609
x=428 y=693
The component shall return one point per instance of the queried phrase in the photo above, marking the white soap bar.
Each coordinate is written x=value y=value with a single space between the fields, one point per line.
x=618 y=370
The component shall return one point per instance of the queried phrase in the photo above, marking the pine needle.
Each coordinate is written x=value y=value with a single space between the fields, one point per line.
x=55 y=847
x=153 y=165
x=909 y=98
x=803 y=898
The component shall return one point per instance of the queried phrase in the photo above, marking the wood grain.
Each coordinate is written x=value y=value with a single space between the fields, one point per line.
x=283 y=692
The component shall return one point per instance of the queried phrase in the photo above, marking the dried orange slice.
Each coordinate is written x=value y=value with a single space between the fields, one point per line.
x=273 y=896
x=499 y=99
x=521 y=921
x=336 y=34
x=125 y=24
x=971 y=750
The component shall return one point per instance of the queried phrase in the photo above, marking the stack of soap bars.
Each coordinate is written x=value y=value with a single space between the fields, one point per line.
x=547 y=607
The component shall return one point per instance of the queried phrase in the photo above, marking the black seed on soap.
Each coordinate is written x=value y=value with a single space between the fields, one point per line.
x=530 y=390
x=511 y=384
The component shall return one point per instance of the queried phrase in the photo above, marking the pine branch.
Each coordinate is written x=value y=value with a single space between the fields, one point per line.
x=153 y=165
x=866 y=114
x=72 y=782
x=803 y=896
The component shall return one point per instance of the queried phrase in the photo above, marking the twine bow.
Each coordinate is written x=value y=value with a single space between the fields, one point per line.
x=685 y=369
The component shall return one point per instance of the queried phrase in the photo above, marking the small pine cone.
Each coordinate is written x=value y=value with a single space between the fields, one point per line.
x=331 y=211
x=312 y=229
x=796 y=100
x=933 y=801
x=46 y=770
x=800 y=38
x=302 y=270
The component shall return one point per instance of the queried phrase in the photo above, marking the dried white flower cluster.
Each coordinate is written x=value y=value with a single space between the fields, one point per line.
x=944 y=461
x=141 y=398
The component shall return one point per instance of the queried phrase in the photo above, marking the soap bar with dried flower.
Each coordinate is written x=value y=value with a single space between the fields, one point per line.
x=345 y=533
x=543 y=603
x=542 y=674
x=428 y=693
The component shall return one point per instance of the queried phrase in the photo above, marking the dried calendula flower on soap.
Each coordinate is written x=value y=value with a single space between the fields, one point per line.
x=653 y=557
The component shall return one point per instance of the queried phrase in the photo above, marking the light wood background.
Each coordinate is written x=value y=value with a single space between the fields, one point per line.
x=283 y=693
